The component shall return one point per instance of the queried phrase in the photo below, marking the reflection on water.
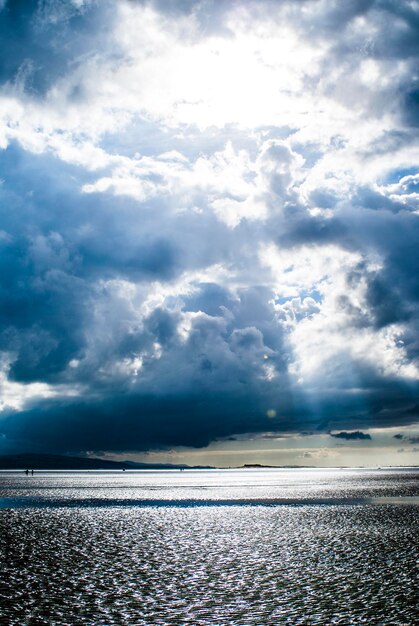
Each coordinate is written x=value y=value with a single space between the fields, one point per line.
x=250 y=565
x=248 y=484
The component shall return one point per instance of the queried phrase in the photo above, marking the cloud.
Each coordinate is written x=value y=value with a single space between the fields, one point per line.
x=210 y=223
x=412 y=440
x=40 y=40
x=350 y=436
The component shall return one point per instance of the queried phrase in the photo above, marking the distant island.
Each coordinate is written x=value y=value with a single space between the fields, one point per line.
x=62 y=462
x=261 y=466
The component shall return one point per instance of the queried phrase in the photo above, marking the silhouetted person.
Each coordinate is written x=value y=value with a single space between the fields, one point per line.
x=26 y=472
x=32 y=472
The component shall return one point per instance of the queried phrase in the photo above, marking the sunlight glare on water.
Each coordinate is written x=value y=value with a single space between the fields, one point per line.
x=233 y=561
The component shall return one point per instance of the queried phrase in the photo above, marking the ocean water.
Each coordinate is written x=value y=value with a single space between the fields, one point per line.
x=247 y=547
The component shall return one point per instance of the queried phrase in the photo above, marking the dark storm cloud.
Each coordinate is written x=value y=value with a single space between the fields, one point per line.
x=303 y=229
x=39 y=40
x=137 y=423
x=49 y=267
x=411 y=104
x=117 y=417
x=42 y=302
x=393 y=291
x=350 y=436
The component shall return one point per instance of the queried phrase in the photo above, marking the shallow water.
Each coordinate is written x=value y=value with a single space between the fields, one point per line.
x=227 y=547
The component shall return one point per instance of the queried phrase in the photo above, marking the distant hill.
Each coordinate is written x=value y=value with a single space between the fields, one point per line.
x=260 y=466
x=61 y=462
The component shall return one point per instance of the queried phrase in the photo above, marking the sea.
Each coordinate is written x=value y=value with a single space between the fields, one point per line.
x=247 y=546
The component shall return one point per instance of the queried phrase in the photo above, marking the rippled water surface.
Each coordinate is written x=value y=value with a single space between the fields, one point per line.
x=218 y=547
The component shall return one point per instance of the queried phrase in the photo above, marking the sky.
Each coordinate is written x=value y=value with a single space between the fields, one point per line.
x=209 y=229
